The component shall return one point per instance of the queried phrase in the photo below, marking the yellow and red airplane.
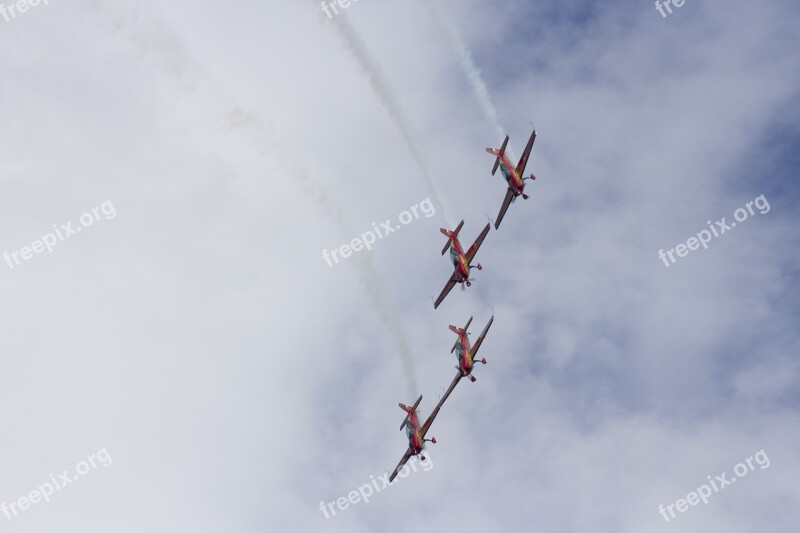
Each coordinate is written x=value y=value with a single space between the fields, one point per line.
x=466 y=360
x=415 y=432
x=466 y=353
x=461 y=261
x=513 y=175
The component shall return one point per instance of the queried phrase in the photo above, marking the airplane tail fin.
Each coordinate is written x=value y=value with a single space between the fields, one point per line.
x=499 y=155
x=409 y=411
x=459 y=331
x=405 y=420
x=466 y=326
x=450 y=235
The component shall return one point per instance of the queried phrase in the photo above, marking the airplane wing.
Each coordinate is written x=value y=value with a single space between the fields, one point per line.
x=400 y=465
x=523 y=162
x=426 y=426
x=477 y=244
x=447 y=288
x=478 y=343
x=504 y=208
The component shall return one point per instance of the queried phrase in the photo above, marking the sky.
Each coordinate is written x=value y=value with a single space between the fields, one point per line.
x=176 y=344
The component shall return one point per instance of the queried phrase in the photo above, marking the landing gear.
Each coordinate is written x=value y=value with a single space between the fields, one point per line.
x=432 y=441
x=473 y=379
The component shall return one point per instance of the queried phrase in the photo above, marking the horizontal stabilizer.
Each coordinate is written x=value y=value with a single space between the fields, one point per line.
x=450 y=236
x=500 y=155
x=409 y=410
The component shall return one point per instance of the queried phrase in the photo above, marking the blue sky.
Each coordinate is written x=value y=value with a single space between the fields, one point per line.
x=238 y=380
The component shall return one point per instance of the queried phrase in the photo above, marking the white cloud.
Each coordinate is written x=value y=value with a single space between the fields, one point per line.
x=238 y=380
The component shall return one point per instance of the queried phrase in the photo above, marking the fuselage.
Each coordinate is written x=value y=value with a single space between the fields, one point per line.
x=510 y=174
x=462 y=352
x=459 y=259
x=415 y=441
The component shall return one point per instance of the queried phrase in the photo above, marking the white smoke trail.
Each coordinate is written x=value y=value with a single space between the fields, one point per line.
x=156 y=46
x=468 y=67
x=370 y=68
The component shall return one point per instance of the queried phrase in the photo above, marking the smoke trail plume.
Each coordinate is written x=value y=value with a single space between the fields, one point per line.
x=370 y=68
x=156 y=46
x=468 y=67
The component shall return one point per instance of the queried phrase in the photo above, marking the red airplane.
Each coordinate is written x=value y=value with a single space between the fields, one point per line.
x=415 y=433
x=461 y=260
x=513 y=175
x=465 y=353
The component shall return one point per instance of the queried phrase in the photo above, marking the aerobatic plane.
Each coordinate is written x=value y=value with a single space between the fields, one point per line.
x=415 y=432
x=466 y=353
x=461 y=261
x=513 y=175
x=466 y=359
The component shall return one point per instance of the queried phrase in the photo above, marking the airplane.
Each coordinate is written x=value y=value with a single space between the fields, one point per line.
x=465 y=353
x=461 y=261
x=415 y=433
x=513 y=175
x=466 y=359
